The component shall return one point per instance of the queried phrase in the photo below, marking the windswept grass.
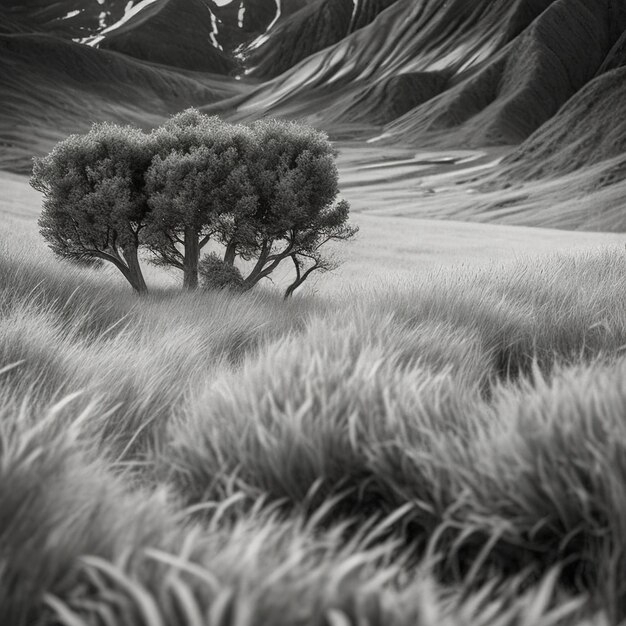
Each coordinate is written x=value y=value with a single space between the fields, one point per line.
x=449 y=452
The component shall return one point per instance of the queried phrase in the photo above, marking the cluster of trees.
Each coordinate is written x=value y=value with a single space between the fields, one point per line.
x=262 y=193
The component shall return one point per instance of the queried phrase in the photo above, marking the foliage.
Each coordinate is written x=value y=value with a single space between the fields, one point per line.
x=207 y=458
x=216 y=274
x=197 y=185
x=95 y=205
x=265 y=192
x=293 y=171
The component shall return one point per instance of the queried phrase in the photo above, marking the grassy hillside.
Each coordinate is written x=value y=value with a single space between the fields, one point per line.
x=444 y=452
x=432 y=435
x=50 y=88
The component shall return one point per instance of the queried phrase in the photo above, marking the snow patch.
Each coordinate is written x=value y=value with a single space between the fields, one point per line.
x=241 y=14
x=354 y=10
x=214 y=31
x=279 y=10
x=71 y=14
x=131 y=11
x=258 y=42
x=261 y=39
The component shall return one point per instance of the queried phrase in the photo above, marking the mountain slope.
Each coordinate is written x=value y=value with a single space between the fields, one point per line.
x=50 y=88
x=64 y=18
x=407 y=37
x=589 y=129
x=315 y=26
x=178 y=33
x=481 y=73
x=392 y=96
x=525 y=84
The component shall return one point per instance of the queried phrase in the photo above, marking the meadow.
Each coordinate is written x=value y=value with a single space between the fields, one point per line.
x=434 y=434
x=442 y=449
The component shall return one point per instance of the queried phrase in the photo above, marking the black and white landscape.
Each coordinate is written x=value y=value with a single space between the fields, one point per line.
x=428 y=428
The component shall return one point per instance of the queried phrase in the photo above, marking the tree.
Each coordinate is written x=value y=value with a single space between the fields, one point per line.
x=331 y=225
x=265 y=192
x=197 y=186
x=95 y=206
x=294 y=176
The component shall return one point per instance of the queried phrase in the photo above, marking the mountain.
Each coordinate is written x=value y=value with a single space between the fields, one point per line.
x=408 y=37
x=147 y=35
x=63 y=18
x=307 y=30
x=50 y=88
x=544 y=78
x=589 y=129
x=523 y=85
x=481 y=73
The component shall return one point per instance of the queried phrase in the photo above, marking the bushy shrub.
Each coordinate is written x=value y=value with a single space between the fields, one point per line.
x=217 y=274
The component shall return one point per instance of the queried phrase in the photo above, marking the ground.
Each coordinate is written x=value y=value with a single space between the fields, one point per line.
x=385 y=188
x=431 y=434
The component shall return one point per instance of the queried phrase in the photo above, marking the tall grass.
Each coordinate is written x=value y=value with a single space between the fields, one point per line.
x=447 y=452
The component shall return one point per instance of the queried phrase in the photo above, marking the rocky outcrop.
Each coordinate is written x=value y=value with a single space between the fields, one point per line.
x=241 y=21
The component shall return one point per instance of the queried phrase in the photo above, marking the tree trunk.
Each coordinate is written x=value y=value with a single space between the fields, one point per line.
x=297 y=282
x=289 y=291
x=133 y=271
x=192 y=257
x=300 y=277
x=258 y=271
x=229 y=255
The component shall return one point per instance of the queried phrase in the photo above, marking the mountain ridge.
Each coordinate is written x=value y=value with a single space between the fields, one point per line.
x=77 y=85
x=415 y=72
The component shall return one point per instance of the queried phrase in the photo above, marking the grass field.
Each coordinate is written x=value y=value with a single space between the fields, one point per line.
x=419 y=442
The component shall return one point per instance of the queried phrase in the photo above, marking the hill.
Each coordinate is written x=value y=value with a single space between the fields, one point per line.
x=406 y=38
x=444 y=451
x=50 y=88
x=589 y=129
x=63 y=18
x=540 y=77
x=523 y=85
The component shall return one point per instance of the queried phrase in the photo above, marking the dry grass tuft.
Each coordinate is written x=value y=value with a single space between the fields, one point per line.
x=450 y=452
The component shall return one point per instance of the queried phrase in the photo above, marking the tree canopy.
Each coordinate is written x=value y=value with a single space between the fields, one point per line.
x=95 y=206
x=262 y=194
x=198 y=185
